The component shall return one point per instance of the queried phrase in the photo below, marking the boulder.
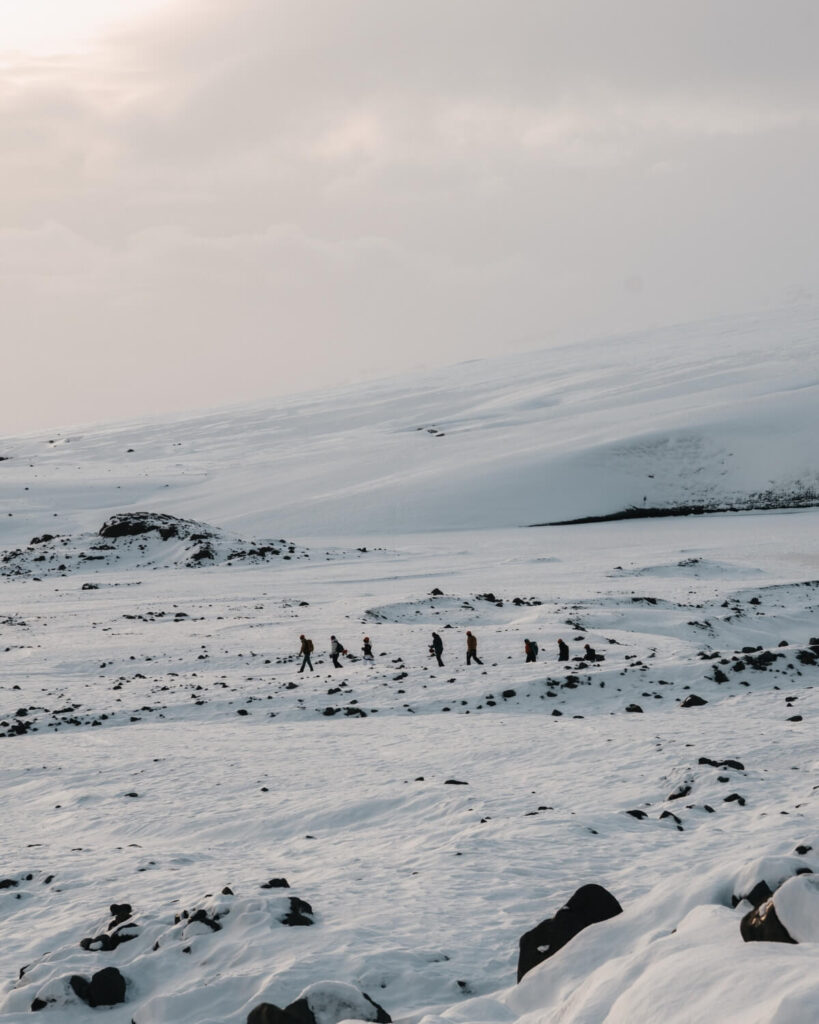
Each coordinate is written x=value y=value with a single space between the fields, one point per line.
x=328 y=1002
x=106 y=987
x=300 y=913
x=693 y=701
x=133 y=524
x=796 y=903
x=325 y=1002
x=589 y=905
x=762 y=924
x=267 y=1013
x=759 y=880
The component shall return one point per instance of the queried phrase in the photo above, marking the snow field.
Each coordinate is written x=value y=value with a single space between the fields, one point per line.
x=420 y=889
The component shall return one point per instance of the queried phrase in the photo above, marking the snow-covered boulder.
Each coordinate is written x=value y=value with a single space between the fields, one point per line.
x=797 y=906
x=325 y=1002
x=588 y=905
x=759 y=880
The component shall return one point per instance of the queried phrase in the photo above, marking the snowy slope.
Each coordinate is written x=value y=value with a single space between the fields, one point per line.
x=709 y=412
x=159 y=748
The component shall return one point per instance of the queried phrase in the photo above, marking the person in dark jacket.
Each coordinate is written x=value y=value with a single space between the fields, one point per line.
x=562 y=651
x=367 y=649
x=531 y=649
x=305 y=651
x=472 y=648
x=437 y=648
x=591 y=654
x=336 y=648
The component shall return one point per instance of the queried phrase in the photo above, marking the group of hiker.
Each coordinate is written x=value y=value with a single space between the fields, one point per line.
x=436 y=650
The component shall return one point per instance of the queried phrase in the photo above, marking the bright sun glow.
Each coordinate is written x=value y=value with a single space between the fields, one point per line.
x=57 y=26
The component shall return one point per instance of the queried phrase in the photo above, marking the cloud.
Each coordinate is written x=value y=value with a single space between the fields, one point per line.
x=225 y=202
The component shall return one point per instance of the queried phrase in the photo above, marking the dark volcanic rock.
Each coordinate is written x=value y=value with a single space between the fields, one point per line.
x=106 y=987
x=682 y=790
x=762 y=925
x=726 y=763
x=325 y=1001
x=590 y=904
x=297 y=915
x=758 y=895
x=693 y=701
x=119 y=912
x=267 y=1013
x=765 y=878
x=635 y=708
x=132 y=524
x=105 y=942
x=335 y=1001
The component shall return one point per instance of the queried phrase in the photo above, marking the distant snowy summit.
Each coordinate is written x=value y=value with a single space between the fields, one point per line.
x=720 y=414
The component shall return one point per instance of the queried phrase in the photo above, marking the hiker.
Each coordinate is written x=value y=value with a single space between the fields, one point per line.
x=305 y=651
x=472 y=648
x=531 y=648
x=437 y=648
x=562 y=651
x=367 y=649
x=336 y=648
x=591 y=654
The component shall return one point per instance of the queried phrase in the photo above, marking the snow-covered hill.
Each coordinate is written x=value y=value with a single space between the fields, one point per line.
x=191 y=828
x=717 y=413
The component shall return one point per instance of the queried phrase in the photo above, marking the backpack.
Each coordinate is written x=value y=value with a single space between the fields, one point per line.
x=535 y=648
x=309 y=646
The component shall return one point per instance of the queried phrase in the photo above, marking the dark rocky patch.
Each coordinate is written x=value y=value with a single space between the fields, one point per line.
x=588 y=905
x=301 y=1011
x=726 y=763
x=106 y=942
x=693 y=701
x=300 y=913
x=106 y=987
x=682 y=790
x=758 y=895
x=762 y=925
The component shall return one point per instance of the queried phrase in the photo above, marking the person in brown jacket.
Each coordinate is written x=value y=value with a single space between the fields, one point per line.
x=305 y=651
x=472 y=648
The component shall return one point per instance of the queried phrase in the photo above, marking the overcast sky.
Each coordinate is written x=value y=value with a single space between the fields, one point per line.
x=205 y=202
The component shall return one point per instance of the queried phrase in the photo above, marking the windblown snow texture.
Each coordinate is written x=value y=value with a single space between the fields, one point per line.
x=192 y=831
